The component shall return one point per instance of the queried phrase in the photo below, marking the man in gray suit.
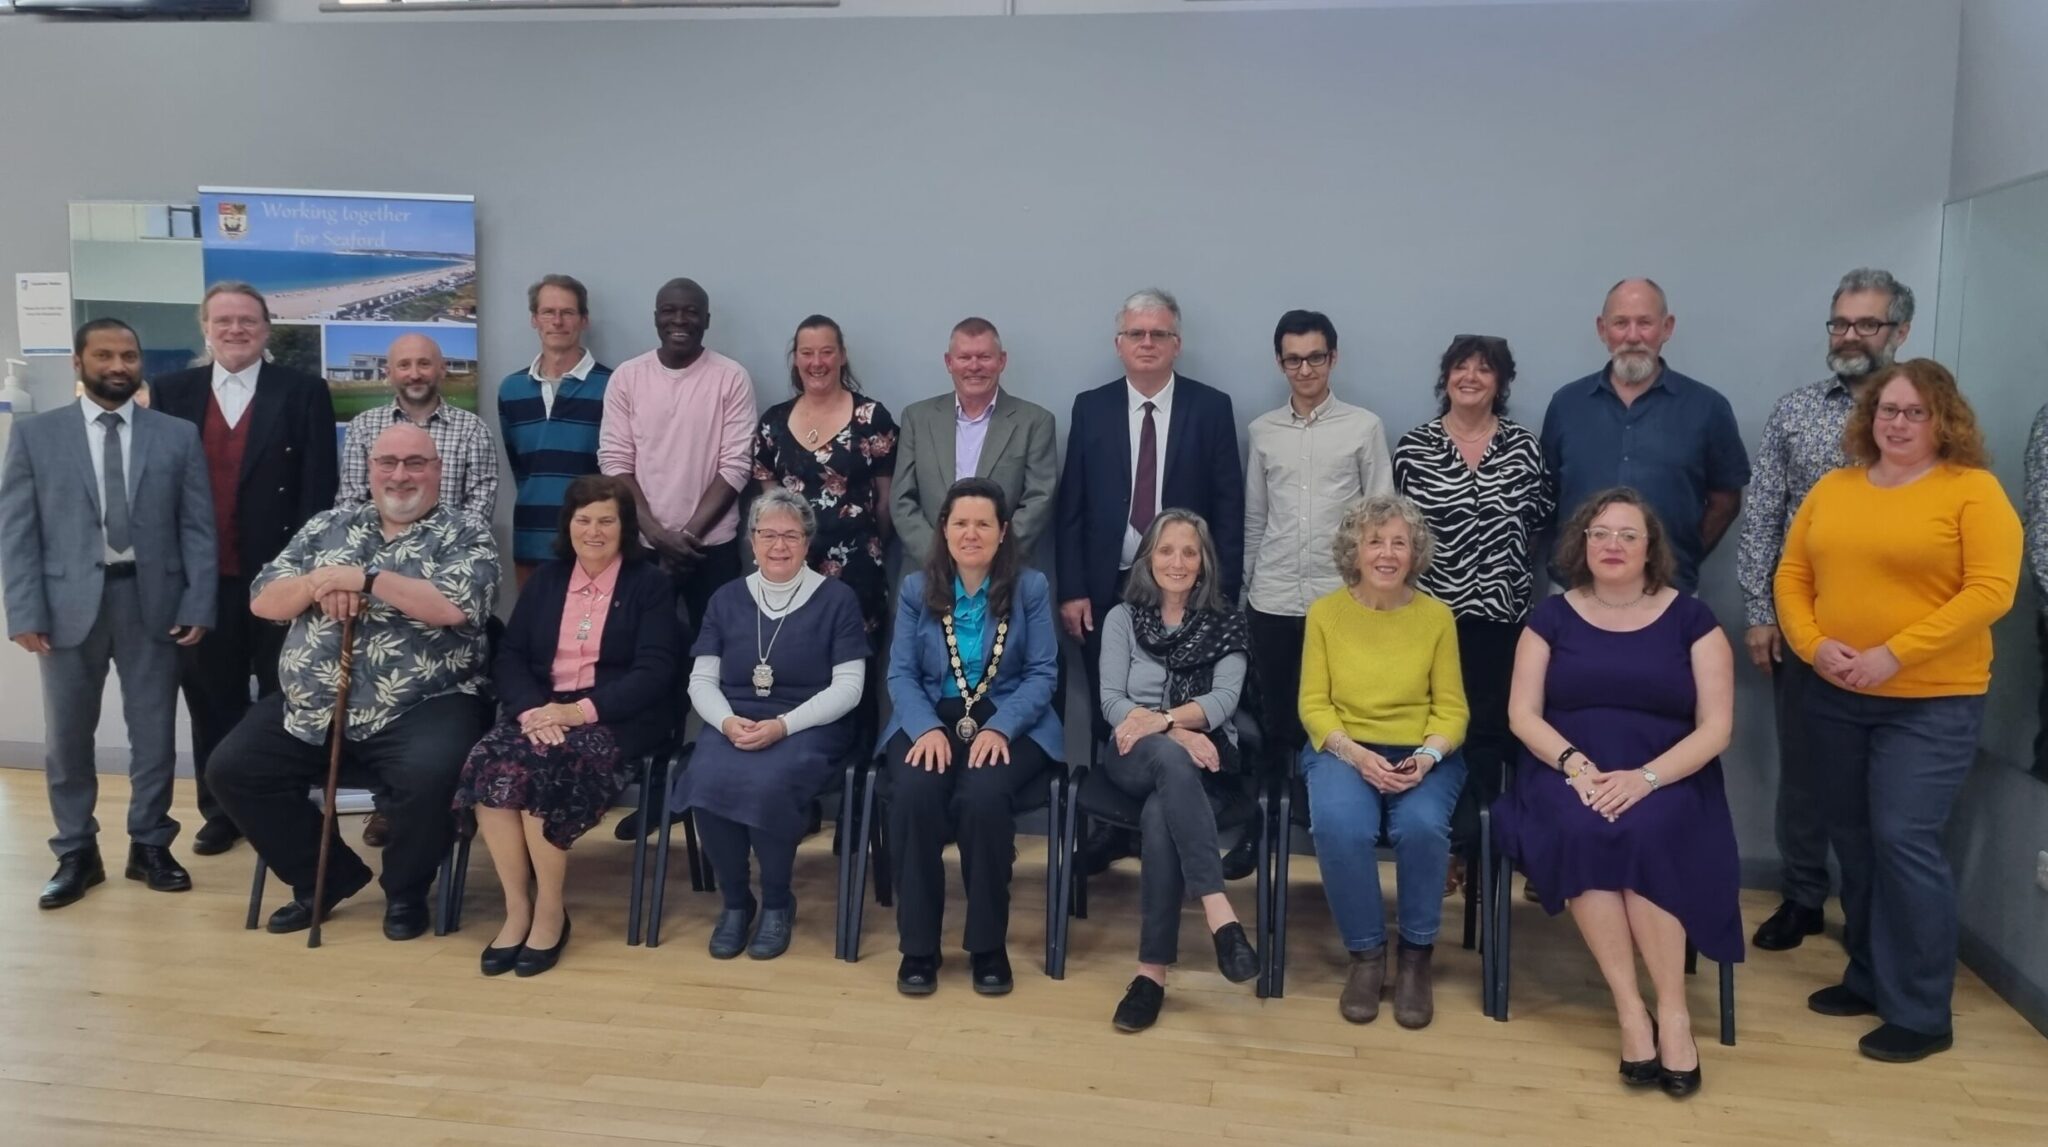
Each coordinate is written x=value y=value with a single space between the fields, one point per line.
x=107 y=554
x=978 y=431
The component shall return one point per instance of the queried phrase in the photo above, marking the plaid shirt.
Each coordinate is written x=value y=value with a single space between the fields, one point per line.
x=469 y=464
x=1801 y=443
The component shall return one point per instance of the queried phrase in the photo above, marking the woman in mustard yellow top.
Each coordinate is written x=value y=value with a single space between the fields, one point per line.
x=1893 y=572
x=1383 y=703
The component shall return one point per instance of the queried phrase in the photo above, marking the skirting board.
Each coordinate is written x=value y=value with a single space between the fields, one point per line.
x=2006 y=979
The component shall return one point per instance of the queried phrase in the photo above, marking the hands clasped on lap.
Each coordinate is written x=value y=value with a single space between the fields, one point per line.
x=933 y=752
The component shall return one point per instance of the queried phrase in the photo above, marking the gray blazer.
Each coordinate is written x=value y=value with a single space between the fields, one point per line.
x=53 y=548
x=1019 y=455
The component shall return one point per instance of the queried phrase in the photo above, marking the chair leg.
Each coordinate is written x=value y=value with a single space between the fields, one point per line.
x=700 y=873
x=878 y=839
x=444 y=893
x=1059 y=915
x=635 y=898
x=1498 y=939
x=861 y=845
x=661 y=850
x=1471 y=903
x=461 y=881
x=1728 y=1004
x=1283 y=831
x=1053 y=913
x=1262 y=909
x=1479 y=882
x=1692 y=959
x=1078 y=902
x=256 y=893
x=849 y=836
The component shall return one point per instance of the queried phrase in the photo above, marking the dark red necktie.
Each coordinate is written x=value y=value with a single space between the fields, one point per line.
x=1145 y=490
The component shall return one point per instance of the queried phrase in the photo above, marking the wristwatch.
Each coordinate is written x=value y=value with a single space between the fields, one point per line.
x=370 y=573
x=1430 y=752
x=1169 y=720
x=1652 y=778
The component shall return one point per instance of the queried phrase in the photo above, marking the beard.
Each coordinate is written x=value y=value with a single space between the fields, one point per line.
x=1634 y=366
x=403 y=508
x=113 y=386
x=1859 y=360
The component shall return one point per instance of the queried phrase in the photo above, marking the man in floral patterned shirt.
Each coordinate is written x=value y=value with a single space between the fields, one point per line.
x=420 y=580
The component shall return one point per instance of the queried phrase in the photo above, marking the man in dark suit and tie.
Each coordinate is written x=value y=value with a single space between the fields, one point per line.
x=268 y=436
x=107 y=558
x=978 y=431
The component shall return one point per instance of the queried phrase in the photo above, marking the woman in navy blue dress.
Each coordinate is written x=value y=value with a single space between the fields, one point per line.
x=1623 y=699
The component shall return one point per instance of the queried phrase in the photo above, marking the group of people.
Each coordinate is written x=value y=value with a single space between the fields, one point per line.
x=1375 y=608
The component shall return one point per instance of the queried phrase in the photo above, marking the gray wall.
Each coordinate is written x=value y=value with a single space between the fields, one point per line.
x=1414 y=172
x=2001 y=819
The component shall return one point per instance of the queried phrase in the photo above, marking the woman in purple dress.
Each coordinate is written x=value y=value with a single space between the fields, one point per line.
x=1623 y=699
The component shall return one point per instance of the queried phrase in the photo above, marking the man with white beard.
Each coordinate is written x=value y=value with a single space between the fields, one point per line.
x=419 y=578
x=1869 y=319
x=1640 y=424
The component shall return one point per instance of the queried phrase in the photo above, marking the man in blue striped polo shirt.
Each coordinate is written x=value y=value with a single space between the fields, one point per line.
x=549 y=415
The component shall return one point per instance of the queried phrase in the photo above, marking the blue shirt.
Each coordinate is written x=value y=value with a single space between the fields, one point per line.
x=970 y=623
x=1676 y=443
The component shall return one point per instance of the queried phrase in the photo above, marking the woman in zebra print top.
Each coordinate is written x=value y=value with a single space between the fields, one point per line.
x=1478 y=476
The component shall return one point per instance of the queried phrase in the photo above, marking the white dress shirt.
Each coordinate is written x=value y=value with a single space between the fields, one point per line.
x=96 y=443
x=548 y=386
x=1302 y=475
x=234 y=390
x=1162 y=416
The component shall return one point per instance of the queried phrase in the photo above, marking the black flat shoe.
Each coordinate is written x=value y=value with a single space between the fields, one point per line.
x=1840 y=1001
x=771 y=939
x=77 y=871
x=154 y=865
x=991 y=972
x=1644 y=1072
x=729 y=935
x=498 y=961
x=1141 y=1003
x=918 y=975
x=297 y=915
x=534 y=961
x=215 y=837
x=1242 y=858
x=1235 y=957
x=1679 y=1084
x=629 y=825
x=1894 y=1044
x=406 y=919
x=1788 y=927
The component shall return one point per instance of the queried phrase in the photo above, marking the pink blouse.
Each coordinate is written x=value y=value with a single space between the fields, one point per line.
x=583 y=614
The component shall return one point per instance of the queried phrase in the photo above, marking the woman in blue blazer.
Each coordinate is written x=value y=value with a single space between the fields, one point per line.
x=972 y=670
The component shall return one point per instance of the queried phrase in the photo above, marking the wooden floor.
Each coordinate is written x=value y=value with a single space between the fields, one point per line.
x=138 y=1017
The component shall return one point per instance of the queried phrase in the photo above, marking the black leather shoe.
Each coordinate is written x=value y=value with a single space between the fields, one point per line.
x=1840 y=1001
x=1788 y=927
x=215 y=837
x=1894 y=1044
x=771 y=939
x=628 y=827
x=1235 y=957
x=1103 y=847
x=154 y=865
x=297 y=916
x=405 y=919
x=1678 y=1084
x=918 y=975
x=729 y=935
x=991 y=972
x=534 y=961
x=1242 y=858
x=77 y=871
x=498 y=961
x=377 y=830
x=1644 y=1072
x=1141 y=1003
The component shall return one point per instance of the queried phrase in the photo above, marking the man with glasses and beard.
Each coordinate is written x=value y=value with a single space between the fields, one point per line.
x=107 y=551
x=1640 y=424
x=1871 y=316
x=419 y=579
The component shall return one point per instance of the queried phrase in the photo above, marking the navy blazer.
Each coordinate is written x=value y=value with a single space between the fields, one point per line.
x=1203 y=474
x=919 y=667
x=635 y=694
x=289 y=471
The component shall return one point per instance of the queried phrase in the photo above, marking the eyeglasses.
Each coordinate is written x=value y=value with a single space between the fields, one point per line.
x=413 y=463
x=1864 y=327
x=1295 y=362
x=1601 y=535
x=786 y=537
x=235 y=322
x=1154 y=336
x=1891 y=411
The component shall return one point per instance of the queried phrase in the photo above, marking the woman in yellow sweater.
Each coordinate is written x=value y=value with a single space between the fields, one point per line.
x=1893 y=572
x=1383 y=702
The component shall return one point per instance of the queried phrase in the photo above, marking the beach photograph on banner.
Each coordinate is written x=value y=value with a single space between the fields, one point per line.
x=346 y=273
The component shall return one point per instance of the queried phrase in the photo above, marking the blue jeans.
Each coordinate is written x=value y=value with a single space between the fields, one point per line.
x=1347 y=817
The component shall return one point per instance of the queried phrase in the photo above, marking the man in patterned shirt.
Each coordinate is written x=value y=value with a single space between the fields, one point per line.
x=1871 y=316
x=469 y=464
x=420 y=580
x=2037 y=564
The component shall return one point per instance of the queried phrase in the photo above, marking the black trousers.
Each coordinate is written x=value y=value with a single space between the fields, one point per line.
x=695 y=584
x=214 y=676
x=976 y=807
x=1276 y=653
x=727 y=844
x=1803 y=780
x=262 y=773
x=1486 y=654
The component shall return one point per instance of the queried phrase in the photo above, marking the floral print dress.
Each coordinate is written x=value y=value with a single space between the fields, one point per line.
x=838 y=480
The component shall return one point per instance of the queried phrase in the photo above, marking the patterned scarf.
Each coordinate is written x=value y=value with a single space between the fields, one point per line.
x=1190 y=653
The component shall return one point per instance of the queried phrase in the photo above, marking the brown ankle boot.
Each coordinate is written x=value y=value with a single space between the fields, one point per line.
x=1414 y=996
x=1360 y=1002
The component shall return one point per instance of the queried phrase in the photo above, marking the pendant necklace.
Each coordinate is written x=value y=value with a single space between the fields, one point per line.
x=764 y=673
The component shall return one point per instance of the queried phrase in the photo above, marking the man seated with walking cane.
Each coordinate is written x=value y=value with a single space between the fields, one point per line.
x=414 y=583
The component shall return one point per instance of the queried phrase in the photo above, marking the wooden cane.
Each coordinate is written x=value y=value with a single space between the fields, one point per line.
x=337 y=732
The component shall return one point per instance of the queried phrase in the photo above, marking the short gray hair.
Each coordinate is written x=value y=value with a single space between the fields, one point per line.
x=1899 y=311
x=1143 y=588
x=1151 y=299
x=1367 y=514
x=783 y=501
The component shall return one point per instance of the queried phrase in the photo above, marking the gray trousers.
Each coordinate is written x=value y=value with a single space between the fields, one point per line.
x=74 y=680
x=1894 y=768
x=1802 y=823
x=1177 y=831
